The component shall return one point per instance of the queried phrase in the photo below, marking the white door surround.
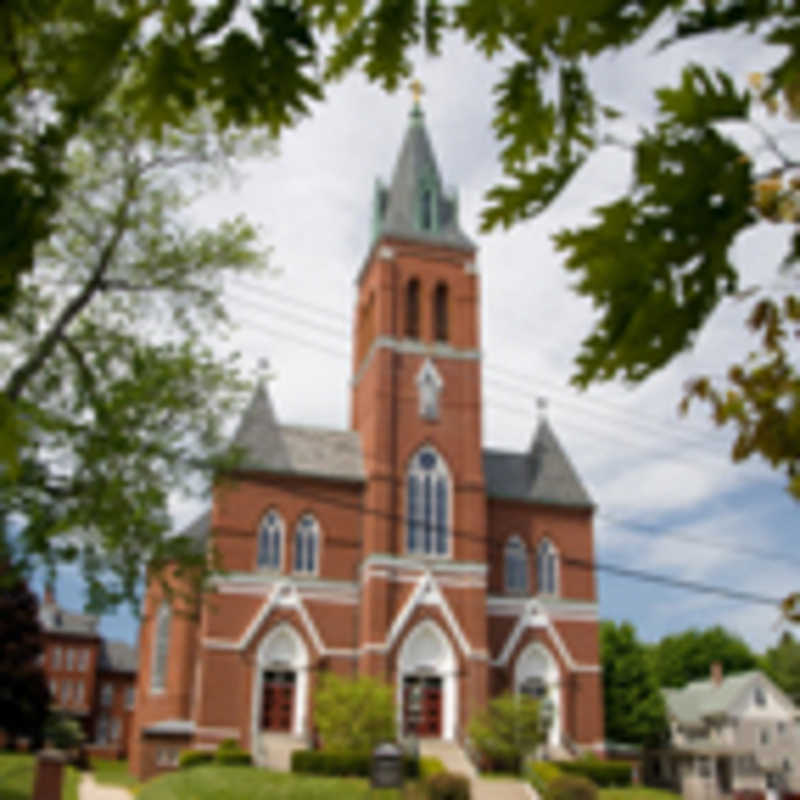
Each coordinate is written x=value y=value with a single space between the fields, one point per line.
x=536 y=662
x=426 y=650
x=281 y=649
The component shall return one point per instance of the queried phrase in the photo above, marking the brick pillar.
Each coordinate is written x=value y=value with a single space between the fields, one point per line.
x=49 y=774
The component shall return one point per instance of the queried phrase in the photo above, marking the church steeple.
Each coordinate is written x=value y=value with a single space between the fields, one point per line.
x=416 y=207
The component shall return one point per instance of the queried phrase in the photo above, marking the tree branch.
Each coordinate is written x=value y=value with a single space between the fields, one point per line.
x=36 y=360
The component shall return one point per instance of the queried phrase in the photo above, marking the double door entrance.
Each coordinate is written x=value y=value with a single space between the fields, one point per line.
x=277 y=700
x=422 y=706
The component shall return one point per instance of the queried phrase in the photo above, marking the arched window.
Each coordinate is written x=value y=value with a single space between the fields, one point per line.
x=412 y=309
x=306 y=545
x=270 y=541
x=547 y=568
x=516 y=566
x=440 y=322
x=428 y=504
x=160 y=647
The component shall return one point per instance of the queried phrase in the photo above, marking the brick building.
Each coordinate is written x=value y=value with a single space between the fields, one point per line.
x=400 y=547
x=90 y=679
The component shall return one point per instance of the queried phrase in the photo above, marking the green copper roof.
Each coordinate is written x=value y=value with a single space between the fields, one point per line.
x=415 y=206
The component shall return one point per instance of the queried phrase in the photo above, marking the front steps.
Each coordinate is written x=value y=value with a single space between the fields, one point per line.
x=450 y=754
x=275 y=750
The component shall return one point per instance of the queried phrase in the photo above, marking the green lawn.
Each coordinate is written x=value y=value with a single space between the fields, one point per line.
x=115 y=773
x=637 y=793
x=236 y=783
x=16 y=776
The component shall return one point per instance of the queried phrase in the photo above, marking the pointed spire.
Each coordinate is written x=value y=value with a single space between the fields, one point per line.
x=259 y=435
x=415 y=206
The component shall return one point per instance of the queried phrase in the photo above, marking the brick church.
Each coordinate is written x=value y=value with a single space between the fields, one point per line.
x=401 y=547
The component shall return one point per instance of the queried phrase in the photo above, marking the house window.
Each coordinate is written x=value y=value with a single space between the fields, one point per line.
x=306 y=544
x=759 y=696
x=412 y=309
x=70 y=659
x=167 y=757
x=270 y=538
x=106 y=694
x=84 y=660
x=764 y=736
x=426 y=209
x=787 y=765
x=516 y=563
x=66 y=692
x=160 y=648
x=54 y=689
x=703 y=767
x=547 y=568
x=56 y=658
x=130 y=696
x=781 y=728
x=102 y=728
x=440 y=320
x=427 y=504
x=115 y=729
x=79 y=693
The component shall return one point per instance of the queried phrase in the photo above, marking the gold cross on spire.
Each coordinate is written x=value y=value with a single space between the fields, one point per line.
x=416 y=90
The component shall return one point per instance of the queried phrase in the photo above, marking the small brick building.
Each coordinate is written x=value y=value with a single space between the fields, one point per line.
x=90 y=679
x=400 y=547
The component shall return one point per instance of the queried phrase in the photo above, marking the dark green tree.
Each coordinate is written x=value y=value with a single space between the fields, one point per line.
x=24 y=696
x=634 y=706
x=782 y=664
x=688 y=656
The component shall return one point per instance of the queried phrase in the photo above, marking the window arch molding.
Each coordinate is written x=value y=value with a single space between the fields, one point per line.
x=547 y=568
x=271 y=541
x=515 y=565
x=307 y=545
x=429 y=504
x=161 y=635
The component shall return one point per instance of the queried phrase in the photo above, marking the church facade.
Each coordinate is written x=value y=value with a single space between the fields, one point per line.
x=399 y=548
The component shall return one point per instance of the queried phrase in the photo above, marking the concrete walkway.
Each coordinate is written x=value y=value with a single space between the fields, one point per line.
x=89 y=789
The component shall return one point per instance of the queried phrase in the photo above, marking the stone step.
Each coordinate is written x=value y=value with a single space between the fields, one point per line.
x=275 y=750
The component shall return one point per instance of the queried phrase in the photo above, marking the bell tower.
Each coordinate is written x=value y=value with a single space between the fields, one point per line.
x=416 y=365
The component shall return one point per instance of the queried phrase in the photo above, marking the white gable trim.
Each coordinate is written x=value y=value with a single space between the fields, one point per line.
x=534 y=617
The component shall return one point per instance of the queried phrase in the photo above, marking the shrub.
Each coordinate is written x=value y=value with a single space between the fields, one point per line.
x=542 y=774
x=64 y=732
x=603 y=773
x=506 y=731
x=229 y=753
x=320 y=762
x=430 y=766
x=190 y=758
x=353 y=715
x=571 y=787
x=447 y=786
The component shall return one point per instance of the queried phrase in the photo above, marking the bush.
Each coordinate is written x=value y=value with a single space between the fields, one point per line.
x=353 y=715
x=320 y=762
x=603 y=773
x=571 y=787
x=447 y=786
x=542 y=774
x=63 y=732
x=430 y=766
x=230 y=754
x=190 y=758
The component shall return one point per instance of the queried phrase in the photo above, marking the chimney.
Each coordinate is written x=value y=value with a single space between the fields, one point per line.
x=49 y=594
x=716 y=673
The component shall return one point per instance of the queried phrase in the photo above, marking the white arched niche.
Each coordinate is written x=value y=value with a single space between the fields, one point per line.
x=427 y=652
x=536 y=667
x=281 y=649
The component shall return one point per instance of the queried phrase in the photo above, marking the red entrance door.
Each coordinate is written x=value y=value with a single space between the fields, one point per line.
x=277 y=701
x=422 y=706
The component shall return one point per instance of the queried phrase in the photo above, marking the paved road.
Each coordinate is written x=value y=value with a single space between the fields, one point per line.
x=89 y=789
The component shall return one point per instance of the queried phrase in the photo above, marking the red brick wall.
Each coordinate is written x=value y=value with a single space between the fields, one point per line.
x=118 y=708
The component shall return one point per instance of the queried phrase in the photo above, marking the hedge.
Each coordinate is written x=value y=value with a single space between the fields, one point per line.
x=571 y=787
x=603 y=773
x=320 y=762
x=542 y=774
x=430 y=766
x=447 y=786
x=229 y=753
x=190 y=758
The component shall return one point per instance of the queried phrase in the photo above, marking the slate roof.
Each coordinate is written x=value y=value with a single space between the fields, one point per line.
x=118 y=657
x=700 y=699
x=295 y=450
x=55 y=619
x=397 y=207
x=542 y=475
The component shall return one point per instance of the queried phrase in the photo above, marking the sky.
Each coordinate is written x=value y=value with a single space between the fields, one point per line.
x=669 y=500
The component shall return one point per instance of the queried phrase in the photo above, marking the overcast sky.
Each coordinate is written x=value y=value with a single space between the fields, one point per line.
x=670 y=477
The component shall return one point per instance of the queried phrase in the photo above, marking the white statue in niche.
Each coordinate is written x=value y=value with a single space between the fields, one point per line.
x=429 y=385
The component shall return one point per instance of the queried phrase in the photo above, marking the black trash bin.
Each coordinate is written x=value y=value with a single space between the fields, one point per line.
x=388 y=767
